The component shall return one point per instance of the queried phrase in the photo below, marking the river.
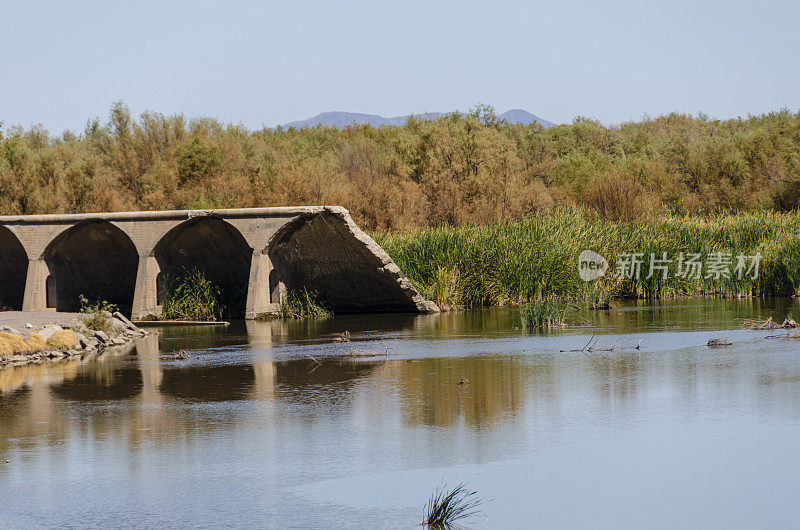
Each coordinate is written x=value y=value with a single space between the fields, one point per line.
x=280 y=424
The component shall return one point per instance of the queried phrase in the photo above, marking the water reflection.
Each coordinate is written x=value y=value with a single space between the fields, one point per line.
x=271 y=404
x=479 y=391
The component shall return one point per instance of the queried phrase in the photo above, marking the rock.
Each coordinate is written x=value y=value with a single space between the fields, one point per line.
x=29 y=325
x=48 y=331
x=716 y=343
x=117 y=341
x=102 y=337
x=131 y=326
x=9 y=329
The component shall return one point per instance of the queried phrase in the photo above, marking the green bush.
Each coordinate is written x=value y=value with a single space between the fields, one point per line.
x=458 y=170
x=97 y=312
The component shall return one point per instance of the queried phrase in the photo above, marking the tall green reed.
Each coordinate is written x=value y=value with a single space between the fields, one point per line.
x=513 y=261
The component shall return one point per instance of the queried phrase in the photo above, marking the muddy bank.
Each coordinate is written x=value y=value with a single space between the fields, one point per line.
x=36 y=337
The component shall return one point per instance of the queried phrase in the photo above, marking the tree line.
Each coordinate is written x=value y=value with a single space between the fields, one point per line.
x=460 y=169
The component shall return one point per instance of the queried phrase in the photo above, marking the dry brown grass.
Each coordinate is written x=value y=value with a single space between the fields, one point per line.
x=63 y=340
x=11 y=343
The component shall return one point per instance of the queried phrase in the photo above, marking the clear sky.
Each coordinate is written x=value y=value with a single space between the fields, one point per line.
x=264 y=63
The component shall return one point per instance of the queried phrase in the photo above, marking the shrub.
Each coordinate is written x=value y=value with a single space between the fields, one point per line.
x=616 y=196
x=99 y=313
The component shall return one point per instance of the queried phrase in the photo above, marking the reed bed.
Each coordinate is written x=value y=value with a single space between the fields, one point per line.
x=514 y=262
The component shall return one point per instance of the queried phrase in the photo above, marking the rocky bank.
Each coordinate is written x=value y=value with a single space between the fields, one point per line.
x=82 y=336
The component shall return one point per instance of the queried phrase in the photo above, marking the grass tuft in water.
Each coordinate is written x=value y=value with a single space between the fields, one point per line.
x=446 y=507
x=544 y=313
x=191 y=296
x=302 y=303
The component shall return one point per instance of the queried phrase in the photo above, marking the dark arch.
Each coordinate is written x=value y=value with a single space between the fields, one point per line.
x=95 y=259
x=13 y=270
x=321 y=253
x=215 y=247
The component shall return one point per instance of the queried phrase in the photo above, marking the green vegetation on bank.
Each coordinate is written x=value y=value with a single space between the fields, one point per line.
x=460 y=169
x=517 y=261
x=97 y=314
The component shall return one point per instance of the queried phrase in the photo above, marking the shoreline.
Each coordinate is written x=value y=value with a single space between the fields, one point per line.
x=40 y=336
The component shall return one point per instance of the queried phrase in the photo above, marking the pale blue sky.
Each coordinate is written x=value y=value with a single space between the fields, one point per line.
x=263 y=63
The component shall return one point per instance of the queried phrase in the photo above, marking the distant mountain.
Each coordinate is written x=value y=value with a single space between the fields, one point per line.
x=523 y=117
x=345 y=119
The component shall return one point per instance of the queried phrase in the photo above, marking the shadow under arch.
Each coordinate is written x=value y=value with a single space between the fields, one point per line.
x=319 y=252
x=13 y=270
x=95 y=259
x=214 y=247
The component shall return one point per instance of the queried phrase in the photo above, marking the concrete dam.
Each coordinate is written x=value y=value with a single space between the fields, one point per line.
x=253 y=255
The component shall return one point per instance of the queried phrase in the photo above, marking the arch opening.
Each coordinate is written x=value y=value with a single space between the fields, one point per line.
x=218 y=250
x=13 y=271
x=51 y=301
x=320 y=253
x=160 y=288
x=94 y=259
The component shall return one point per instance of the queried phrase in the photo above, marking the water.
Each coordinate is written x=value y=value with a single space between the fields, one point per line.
x=268 y=425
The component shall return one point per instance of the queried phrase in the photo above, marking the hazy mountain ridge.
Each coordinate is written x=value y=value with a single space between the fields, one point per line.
x=345 y=119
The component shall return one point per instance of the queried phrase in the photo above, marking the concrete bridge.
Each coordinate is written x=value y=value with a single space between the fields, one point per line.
x=253 y=255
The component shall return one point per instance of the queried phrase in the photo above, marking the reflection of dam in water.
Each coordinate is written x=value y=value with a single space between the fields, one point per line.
x=271 y=422
x=151 y=391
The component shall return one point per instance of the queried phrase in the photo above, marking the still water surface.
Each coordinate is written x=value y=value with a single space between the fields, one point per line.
x=268 y=425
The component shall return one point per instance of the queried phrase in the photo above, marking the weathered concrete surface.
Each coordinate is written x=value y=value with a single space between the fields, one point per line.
x=37 y=319
x=254 y=255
